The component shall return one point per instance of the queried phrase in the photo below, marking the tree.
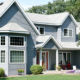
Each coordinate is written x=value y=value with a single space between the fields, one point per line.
x=57 y=6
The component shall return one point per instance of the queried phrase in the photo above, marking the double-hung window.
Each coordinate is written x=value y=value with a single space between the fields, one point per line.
x=68 y=32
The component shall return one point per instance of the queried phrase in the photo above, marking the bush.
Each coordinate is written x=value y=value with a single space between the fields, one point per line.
x=36 y=69
x=20 y=70
x=58 y=68
x=2 y=72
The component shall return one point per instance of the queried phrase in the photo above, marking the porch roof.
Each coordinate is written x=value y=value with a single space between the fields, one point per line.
x=70 y=45
x=43 y=40
x=13 y=28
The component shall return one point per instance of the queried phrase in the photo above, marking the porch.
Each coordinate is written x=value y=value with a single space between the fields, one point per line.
x=50 y=59
x=51 y=54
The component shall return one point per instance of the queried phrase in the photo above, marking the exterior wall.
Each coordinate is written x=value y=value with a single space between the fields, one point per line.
x=52 y=59
x=76 y=59
x=49 y=30
x=14 y=15
x=5 y=47
x=13 y=67
x=50 y=45
x=68 y=24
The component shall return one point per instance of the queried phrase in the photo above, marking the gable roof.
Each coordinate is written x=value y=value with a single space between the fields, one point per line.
x=9 y=28
x=43 y=40
x=8 y=3
x=53 y=19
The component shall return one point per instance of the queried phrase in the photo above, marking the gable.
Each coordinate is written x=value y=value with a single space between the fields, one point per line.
x=50 y=45
x=69 y=24
x=14 y=13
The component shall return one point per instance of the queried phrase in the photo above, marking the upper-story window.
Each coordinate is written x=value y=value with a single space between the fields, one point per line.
x=67 y=32
x=41 y=30
x=2 y=40
x=18 y=41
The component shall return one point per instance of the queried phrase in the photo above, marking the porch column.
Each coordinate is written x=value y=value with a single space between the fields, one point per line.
x=40 y=57
x=57 y=59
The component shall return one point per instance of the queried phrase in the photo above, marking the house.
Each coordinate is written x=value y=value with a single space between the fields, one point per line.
x=27 y=39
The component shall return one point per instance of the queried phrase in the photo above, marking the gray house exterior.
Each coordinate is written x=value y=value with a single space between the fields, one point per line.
x=28 y=39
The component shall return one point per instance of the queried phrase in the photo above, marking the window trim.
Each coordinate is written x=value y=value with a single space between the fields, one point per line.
x=17 y=45
x=68 y=32
x=17 y=62
x=38 y=27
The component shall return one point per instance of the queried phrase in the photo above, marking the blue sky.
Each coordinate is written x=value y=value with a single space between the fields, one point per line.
x=28 y=3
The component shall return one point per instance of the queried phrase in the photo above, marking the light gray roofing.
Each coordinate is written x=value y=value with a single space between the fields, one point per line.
x=13 y=28
x=44 y=39
x=53 y=19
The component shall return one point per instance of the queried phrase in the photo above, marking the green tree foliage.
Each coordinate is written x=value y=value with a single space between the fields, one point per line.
x=57 y=6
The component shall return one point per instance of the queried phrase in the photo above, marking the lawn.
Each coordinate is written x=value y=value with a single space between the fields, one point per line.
x=45 y=77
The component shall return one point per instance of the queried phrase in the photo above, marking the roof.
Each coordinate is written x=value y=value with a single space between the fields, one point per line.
x=8 y=3
x=13 y=28
x=53 y=19
x=70 y=45
x=43 y=40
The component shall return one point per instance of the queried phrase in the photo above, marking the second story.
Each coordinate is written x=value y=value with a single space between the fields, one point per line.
x=62 y=26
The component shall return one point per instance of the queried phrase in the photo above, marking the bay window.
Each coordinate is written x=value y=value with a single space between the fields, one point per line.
x=17 y=41
x=16 y=56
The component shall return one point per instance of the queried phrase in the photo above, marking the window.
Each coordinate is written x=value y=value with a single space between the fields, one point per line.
x=2 y=56
x=65 y=32
x=68 y=32
x=19 y=41
x=2 y=40
x=41 y=30
x=16 y=56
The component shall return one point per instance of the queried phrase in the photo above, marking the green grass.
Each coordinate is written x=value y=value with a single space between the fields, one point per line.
x=45 y=77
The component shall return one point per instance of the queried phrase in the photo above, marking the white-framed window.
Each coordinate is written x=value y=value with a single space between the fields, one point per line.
x=68 y=32
x=41 y=30
x=17 y=41
x=16 y=56
x=2 y=40
x=2 y=56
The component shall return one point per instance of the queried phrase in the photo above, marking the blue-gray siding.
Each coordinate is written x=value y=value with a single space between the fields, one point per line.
x=68 y=24
x=51 y=45
x=50 y=30
x=14 y=15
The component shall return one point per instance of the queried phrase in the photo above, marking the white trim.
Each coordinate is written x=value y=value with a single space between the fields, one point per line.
x=16 y=62
x=16 y=36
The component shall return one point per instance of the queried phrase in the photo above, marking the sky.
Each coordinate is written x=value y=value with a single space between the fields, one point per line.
x=29 y=3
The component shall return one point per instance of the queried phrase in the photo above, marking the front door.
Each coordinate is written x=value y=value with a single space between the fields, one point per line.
x=45 y=60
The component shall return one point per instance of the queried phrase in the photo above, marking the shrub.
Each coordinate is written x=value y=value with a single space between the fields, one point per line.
x=20 y=71
x=58 y=68
x=36 y=69
x=2 y=72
